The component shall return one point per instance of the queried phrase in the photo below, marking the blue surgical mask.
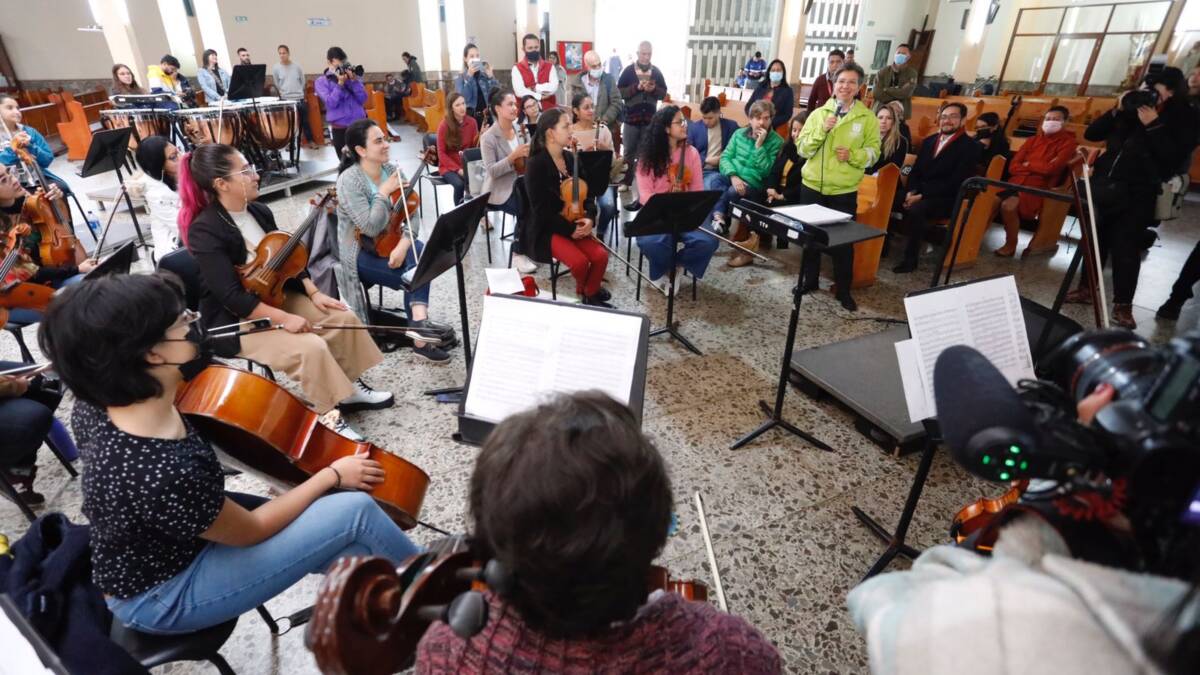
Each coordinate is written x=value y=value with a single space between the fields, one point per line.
x=776 y=76
x=901 y=59
x=596 y=73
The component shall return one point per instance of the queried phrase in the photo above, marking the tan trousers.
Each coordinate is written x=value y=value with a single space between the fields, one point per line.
x=324 y=363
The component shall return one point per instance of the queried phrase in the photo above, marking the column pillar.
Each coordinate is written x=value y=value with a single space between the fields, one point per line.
x=966 y=62
x=212 y=31
x=119 y=35
x=791 y=36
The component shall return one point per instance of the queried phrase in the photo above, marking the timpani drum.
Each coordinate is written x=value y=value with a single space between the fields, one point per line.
x=212 y=124
x=274 y=124
x=145 y=122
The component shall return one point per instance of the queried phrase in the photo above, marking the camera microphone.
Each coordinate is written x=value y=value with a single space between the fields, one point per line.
x=987 y=427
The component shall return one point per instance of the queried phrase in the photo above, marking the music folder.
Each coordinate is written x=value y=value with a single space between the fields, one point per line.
x=529 y=349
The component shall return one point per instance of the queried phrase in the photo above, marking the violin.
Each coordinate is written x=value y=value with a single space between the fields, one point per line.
x=980 y=515
x=573 y=192
x=405 y=203
x=523 y=134
x=58 y=246
x=681 y=175
x=267 y=430
x=20 y=294
x=279 y=256
x=370 y=616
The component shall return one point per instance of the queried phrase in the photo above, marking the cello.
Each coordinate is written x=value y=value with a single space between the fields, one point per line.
x=20 y=294
x=267 y=430
x=279 y=256
x=58 y=246
x=405 y=203
x=370 y=615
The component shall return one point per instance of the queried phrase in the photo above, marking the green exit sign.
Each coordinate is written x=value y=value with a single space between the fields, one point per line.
x=241 y=19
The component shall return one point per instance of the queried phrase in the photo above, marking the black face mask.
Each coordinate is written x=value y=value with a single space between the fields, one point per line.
x=983 y=133
x=533 y=56
x=204 y=353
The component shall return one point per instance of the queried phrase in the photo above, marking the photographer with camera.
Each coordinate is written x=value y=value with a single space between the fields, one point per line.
x=476 y=83
x=1090 y=569
x=343 y=94
x=1148 y=136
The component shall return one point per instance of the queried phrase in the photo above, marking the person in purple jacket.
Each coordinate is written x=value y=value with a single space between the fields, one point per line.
x=343 y=95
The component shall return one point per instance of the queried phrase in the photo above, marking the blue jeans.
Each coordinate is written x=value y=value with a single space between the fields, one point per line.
x=226 y=581
x=373 y=270
x=28 y=316
x=698 y=249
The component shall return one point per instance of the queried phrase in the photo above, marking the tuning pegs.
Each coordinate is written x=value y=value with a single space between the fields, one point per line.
x=497 y=577
x=467 y=614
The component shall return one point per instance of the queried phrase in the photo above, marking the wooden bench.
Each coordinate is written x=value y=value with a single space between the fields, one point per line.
x=76 y=131
x=376 y=109
x=414 y=100
x=1029 y=114
x=43 y=116
x=876 y=194
x=316 y=121
x=432 y=111
x=923 y=121
x=976 y=222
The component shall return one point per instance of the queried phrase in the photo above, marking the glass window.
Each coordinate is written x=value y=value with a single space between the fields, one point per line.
x=1040 y=20
x=1146 y=16
x=1070 y=63
x=1086 y=19
x=1026 y=63
x=1120 y=59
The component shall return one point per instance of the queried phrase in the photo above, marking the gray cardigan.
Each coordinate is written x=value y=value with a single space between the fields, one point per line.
x=499 y=174
x=361 y=207
x=609 y=104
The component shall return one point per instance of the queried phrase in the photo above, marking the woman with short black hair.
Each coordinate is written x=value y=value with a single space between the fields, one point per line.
x=159 y=160
x=578 y=598
x=172 y=552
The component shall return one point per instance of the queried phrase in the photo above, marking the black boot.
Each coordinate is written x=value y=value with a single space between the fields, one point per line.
x=1171 y=309
x=906 y=266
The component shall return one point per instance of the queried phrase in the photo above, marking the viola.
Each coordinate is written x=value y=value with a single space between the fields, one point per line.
x=58 y=246
x=369 y=616
x=21 y=294
x=980 y=514
x=405 y=203
x=267 y=430
x=573 y=192
x=279 y=256
x=681 y=175
x=523 y=134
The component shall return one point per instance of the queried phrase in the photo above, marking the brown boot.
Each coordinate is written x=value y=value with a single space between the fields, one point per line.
x=751 y=242
x=740 y=232
x=1122 y=315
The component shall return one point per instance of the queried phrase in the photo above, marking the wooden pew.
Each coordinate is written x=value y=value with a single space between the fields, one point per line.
x=974 y=109
x=1029 y=113
x=875 y=198
x=42 y=116
x=976 y=222
x=923 y=120
x=76 y=132
x=430 y=114
x=414 y=100
x=316 y=121
x=1053 y=214
x=376 y=109
x=1078 y=106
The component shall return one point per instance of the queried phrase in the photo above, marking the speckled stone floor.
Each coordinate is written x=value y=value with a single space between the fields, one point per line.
x=787 y=544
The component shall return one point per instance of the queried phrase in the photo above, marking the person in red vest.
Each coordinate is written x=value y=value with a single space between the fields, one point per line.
x=531 y=76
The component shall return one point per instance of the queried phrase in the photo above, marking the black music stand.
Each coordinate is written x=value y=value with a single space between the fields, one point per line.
x=447 y=246
x=246 y=82
x=823 y=238
x=119 y=262
x=107 y=153
x=673 y=213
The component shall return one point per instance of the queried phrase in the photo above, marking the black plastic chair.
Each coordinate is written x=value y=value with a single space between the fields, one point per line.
x=432 y=178
x=156 y=650
x=181 y=263
x=16 y=329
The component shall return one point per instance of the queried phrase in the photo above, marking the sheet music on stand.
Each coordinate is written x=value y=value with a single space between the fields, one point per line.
x=528 y=350
x=814 y=214
x=985 y=314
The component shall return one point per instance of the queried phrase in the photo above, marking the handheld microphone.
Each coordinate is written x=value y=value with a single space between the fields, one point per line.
x=989 y=430
x=840 y=112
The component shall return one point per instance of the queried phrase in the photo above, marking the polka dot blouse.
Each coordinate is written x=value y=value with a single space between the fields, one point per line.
x=147 y=500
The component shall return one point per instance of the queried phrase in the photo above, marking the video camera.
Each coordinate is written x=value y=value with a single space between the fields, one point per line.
x=1140 y=453
x=346 y=68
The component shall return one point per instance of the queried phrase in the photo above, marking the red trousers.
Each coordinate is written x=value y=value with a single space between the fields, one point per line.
x=586 y=258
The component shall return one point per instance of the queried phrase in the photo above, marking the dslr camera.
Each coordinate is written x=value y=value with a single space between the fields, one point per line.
x=1139 y=456
x=347 y=68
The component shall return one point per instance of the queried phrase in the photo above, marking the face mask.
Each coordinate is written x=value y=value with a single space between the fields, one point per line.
x=776 y=76
x=983 y=133
x=533 y=57
x=204 y=354
x=901 y=59
x=596 y=73
x=1052 y=126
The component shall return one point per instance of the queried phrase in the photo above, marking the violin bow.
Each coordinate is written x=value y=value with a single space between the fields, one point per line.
x=734 y=244
x=27 y=370
x=712 y=557
x=264 y=325
x=627 y=264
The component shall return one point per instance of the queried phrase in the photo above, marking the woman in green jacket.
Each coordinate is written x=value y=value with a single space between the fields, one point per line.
x=745 y=165
x=839 y=141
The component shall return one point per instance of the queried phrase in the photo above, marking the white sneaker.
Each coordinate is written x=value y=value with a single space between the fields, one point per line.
x=664 y=285
x=334 y=420
x=366 y=398
x=524 y=265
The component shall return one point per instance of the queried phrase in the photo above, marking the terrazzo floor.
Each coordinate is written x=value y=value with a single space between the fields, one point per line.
x=787 y=544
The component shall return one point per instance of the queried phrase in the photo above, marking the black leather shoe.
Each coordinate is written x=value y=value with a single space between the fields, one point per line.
x=595 y=301
x=633 y=206
x=847 y=302
x=905 y=267
x=603 y=295
x=1171 y=309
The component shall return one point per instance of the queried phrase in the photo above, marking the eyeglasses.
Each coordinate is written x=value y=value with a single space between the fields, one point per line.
x=186 y=318
x=679 y=123
x=248 y=171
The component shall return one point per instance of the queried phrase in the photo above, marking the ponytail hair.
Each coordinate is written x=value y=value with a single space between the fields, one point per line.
x=356 y=137
x=198 y=170
x=546 y=122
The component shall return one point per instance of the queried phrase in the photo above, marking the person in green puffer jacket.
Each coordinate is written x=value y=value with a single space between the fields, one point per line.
x=839 y=141
x=745 y=165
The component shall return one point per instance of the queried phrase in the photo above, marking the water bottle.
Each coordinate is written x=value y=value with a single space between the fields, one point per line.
x=93 y=223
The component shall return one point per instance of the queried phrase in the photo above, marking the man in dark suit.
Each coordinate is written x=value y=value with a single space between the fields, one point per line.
x=946 y=159
x=709 y=135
